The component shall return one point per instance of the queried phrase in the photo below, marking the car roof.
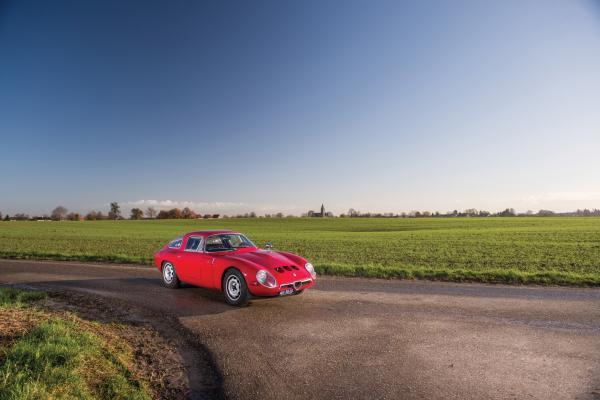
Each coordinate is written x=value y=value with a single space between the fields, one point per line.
x=207 y=233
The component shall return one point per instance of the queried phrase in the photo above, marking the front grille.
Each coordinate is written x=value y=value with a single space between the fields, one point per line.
x=295 y=285
x=286 y=268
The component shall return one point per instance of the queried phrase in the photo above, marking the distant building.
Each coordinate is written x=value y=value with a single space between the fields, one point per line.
x=322 y=214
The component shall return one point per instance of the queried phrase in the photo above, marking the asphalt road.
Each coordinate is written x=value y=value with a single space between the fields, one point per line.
x=370 y=339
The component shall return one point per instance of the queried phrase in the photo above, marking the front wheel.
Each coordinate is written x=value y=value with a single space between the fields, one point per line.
x=235 y=289
x=169 y=276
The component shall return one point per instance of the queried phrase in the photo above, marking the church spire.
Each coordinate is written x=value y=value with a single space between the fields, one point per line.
x=322 y=210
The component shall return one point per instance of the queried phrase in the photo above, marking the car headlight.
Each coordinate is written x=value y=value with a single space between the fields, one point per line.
x=311 y=270
x=265 y=278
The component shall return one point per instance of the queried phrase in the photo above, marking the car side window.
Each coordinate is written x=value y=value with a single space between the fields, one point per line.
x=193 y=244
x=215 y=243
x=175 y=244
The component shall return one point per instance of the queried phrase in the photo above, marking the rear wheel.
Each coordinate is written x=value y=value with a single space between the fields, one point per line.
x=169 y=276
x=235 y=289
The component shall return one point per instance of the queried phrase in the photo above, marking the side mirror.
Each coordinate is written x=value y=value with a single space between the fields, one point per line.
x=268 y=246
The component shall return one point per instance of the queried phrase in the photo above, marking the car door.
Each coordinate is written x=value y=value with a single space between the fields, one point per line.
x=195 y=265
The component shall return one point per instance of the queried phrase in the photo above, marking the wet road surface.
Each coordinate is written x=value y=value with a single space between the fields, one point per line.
x=370 y=339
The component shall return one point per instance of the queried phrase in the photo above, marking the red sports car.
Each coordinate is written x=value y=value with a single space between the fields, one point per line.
x=229 y=262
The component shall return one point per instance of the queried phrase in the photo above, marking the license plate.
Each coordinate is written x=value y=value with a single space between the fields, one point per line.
x=286 y=292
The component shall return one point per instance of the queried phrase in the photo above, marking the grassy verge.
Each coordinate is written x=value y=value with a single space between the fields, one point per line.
x=19 y=298
x=506 y=276
x=107 y=258
x=55 y=357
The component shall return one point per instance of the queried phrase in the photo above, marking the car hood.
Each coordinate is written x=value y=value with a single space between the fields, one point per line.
x=285 y=268
x=264 y=258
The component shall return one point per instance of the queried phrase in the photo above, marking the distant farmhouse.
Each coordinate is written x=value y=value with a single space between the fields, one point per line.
x=322 y=214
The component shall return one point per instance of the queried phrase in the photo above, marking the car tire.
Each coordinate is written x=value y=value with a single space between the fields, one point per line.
x=235 y=288
x=169 y=276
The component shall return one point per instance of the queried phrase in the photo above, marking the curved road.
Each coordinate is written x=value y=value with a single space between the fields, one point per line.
x=370 y=339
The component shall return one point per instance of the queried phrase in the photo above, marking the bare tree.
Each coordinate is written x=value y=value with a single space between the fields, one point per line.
x=545 y=213
x=174 y=213
x=187 y=213
x=163 y=214
x=74 y=216
x=471 y=212
x=115 y=211
x=59 y=213
x=353 y=213
x=94 y=216
x=151 y=212
x=137 y=213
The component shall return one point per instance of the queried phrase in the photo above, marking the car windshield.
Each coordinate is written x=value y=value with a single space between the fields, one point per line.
x=227 y=241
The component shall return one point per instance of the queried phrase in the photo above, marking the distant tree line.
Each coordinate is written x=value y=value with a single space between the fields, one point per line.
x=61 y=213
x=186 y=213
x=471 y=212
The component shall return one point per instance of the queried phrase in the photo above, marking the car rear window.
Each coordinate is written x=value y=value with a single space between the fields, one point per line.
x=193 y=244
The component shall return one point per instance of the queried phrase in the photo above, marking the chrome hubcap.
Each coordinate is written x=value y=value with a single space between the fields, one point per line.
x=168 y=273
x=233 y=287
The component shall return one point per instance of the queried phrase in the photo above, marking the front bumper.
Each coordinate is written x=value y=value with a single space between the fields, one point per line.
x=256 y=289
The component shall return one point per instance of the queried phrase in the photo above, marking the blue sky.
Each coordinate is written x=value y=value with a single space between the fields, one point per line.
x=280 y=106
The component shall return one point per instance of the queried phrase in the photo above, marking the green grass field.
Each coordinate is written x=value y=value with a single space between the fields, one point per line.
x=553 y=250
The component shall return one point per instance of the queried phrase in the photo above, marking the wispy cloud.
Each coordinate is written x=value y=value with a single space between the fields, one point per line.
x=222 y=207
x=202 y=206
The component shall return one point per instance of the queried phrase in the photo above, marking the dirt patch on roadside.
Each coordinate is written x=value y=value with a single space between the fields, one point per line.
x=165 y=356
x=156 y=360
x=16 y=322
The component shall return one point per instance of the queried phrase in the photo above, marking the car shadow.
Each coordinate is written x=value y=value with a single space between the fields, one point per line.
x=146 y=293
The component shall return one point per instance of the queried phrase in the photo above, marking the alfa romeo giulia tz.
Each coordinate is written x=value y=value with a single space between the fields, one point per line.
x=229 y=262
